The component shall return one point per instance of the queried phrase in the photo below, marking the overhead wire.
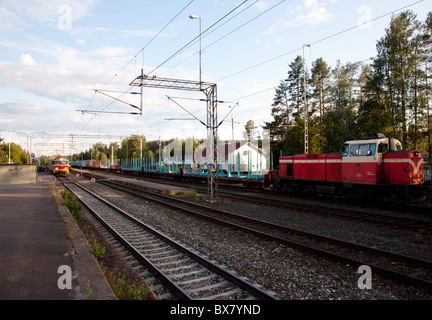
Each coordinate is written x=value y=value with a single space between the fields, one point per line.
x=312 y=43
x=318 y=41
x=134 y=58
x=196 y=40
x=209 y=28
x=150 y=41
x=192 y=41
x=232 y=31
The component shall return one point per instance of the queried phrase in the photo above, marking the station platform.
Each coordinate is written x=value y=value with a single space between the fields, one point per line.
x=43 y=253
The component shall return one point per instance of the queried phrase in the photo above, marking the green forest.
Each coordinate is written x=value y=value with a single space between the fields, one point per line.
x=390 y=94
x=18 y=155
x=129 y=148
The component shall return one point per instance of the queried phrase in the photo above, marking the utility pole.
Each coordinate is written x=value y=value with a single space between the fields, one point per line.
x=306 y=116
x=142 y=75
x=112 y=154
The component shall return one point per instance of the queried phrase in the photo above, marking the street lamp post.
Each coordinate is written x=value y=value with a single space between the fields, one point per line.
x=28 y=136
x=195 y=17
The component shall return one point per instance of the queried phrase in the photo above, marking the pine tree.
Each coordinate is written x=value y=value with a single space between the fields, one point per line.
x=340 y=120
x=280 y=113
x=320 y=84
x=397 y=51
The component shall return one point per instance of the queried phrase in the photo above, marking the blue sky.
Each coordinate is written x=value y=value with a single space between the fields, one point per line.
x=54 y=54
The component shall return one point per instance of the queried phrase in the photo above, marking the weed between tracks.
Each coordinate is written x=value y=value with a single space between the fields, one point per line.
x=125 y=283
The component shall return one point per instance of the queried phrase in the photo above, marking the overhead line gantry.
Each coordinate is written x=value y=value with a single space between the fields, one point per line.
x=210 y=90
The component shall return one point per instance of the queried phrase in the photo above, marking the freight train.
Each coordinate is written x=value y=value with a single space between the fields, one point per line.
x=58 y=165
x=374 y=168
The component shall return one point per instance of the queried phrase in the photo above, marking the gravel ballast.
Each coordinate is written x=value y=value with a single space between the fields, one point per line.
x=286 y=272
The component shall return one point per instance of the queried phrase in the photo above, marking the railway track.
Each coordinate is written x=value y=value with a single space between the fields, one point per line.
x=400 y=267
x=181 y=273
x=369 y=217
x=387 y=220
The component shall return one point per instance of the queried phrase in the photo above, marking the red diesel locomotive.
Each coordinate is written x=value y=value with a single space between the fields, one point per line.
x=374 y=167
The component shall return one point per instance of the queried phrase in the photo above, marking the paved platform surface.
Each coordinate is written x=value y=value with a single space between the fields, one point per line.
x=40 y=243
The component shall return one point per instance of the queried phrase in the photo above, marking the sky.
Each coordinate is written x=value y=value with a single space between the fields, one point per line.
x=66 y=66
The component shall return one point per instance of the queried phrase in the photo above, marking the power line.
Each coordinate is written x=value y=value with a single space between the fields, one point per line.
x=318 y=41
x=150 y=41
x=192 y=41
x=241 y=26
x=251 y=94
x=121 y=69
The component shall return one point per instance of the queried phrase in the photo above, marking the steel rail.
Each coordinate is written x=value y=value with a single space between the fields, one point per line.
x=141 y=258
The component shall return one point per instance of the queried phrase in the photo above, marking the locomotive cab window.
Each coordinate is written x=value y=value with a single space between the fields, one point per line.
x=398 y=146
x=372 y=149
x=383 y=147
x=353 y=150
x=361 y=150
x=57 y=162
x=345 y=150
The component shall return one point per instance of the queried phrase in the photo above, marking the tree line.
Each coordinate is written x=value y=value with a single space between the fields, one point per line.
x=17 y=154
x=390 y=94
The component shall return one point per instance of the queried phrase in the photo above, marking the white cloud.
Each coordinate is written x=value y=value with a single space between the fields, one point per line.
x=8 y=19
x=42 y=11
x=260 y=5
x=85 y=31
x=70 y=76
x=315 y=13
x=312 y=12
x=27 y=59
x=64 y=78
x=109 y=51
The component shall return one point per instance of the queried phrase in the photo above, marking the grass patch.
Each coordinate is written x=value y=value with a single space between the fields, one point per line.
x=125 y=290
x=73 y=204
x=191 y=194
x=170 y=193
